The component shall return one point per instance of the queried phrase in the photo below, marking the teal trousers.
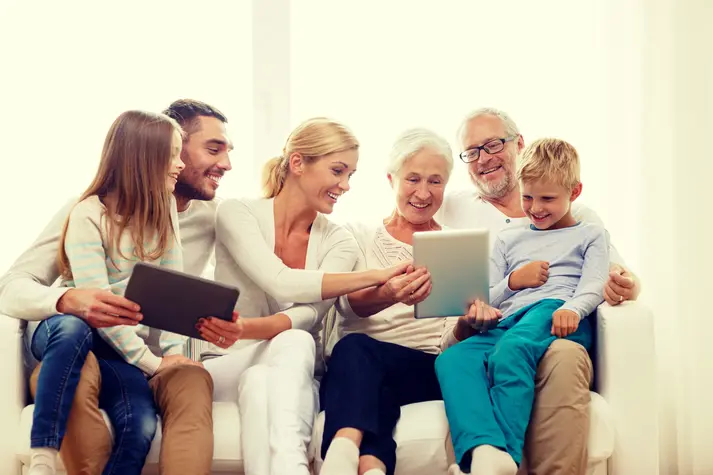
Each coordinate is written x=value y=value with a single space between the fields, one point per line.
x=488 y=380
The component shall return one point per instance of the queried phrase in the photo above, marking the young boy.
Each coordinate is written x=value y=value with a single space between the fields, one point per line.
x=545 y=280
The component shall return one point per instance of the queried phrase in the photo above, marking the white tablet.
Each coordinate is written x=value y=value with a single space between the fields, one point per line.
x=459 y=262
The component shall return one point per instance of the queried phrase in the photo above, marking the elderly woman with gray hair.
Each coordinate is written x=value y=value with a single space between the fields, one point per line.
x=385 y=358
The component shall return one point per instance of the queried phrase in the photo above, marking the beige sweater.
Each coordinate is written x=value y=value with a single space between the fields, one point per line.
x=396 y=324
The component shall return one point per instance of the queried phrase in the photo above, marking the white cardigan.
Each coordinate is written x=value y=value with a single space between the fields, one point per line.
x=245 y=258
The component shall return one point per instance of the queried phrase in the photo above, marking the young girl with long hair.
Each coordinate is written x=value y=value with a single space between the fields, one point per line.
x=127 y=214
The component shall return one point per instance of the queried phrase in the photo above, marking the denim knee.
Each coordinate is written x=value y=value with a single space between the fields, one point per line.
x=62 y=332
x=69 y=328
x=142 y=429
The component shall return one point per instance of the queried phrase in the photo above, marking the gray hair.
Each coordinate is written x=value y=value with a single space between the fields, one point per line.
x=412 y=141
x=510 y=126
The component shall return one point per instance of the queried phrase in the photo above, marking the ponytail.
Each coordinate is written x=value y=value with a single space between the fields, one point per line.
x=273 y=177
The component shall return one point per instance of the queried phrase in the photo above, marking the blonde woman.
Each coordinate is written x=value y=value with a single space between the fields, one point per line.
x=289 y=262
x=117 y=222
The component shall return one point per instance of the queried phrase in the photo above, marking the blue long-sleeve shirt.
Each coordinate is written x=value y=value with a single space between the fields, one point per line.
x=579 y=267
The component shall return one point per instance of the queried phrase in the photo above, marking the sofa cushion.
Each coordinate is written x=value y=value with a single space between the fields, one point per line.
x=421 y=437
x=422 y=432
x=227 y=452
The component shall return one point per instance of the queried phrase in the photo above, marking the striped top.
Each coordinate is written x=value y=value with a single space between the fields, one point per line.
x=93 y=266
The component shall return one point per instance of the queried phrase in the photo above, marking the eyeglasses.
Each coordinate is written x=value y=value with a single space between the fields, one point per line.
x=494 y=146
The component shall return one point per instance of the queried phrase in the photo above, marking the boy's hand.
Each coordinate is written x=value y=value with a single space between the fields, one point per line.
x=529 y=276
x=564 y=322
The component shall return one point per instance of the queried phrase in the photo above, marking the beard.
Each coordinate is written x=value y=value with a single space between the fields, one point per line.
x=488 y=189
x=187 y=187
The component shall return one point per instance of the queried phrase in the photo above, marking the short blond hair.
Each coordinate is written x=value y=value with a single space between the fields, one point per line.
x=549 y=159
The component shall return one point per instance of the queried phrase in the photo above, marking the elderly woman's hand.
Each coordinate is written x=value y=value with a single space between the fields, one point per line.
x=481 y=316
x=410 y=288
x=219 y=332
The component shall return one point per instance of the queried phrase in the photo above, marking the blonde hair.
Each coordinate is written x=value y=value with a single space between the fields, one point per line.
x=549 y=159
x=313 y=139
x=134 y=165
x=411 y=142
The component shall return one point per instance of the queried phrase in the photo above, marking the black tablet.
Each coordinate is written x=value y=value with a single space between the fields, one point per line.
x=174 y=301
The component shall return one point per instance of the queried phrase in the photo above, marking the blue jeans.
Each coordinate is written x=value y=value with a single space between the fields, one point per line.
x=129 y=402
x=61 y=343
x=488 y=380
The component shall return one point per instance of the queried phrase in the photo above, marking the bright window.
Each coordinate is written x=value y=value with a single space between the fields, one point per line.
x=71 y=70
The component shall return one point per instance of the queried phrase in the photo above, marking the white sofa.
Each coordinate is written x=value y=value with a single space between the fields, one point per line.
x=623 y=437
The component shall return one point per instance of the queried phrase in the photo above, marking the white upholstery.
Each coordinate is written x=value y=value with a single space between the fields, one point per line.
x=623 y=434
x=422 y=432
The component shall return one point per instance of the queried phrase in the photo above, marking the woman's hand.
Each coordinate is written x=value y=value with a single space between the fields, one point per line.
x=384 y=275
x=481 y=316
x=219 y=332
x=410 y=289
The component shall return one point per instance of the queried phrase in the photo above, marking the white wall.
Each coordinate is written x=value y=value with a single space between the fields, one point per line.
x=70 y=68
x=675 y=239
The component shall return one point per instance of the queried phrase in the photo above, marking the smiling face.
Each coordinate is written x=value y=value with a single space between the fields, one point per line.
x=176 y=165
x=548 y=204
x=205 y=155
x=419 y=186
x=493 y=175
x=324 y=180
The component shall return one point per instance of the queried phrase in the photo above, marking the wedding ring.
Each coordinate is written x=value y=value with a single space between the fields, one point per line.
x=221 y=339
x=621 y=298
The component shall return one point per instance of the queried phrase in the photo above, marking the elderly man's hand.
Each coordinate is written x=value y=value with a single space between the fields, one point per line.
x=621 y=286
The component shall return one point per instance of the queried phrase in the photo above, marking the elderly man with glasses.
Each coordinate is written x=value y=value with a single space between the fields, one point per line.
x=556 y=442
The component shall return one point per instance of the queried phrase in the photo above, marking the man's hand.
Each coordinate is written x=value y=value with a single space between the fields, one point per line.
x=219 y=332
x=480 y=317
x=531 y=275
x=409 y=289
x=564 y=322
x=175 y=360
x=621 y=286
x=100 y=308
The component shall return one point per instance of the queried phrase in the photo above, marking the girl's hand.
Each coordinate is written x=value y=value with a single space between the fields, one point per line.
x=219 y=332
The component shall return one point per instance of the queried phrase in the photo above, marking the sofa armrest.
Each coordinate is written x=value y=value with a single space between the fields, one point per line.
x=626 y=378
x=12 y=390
